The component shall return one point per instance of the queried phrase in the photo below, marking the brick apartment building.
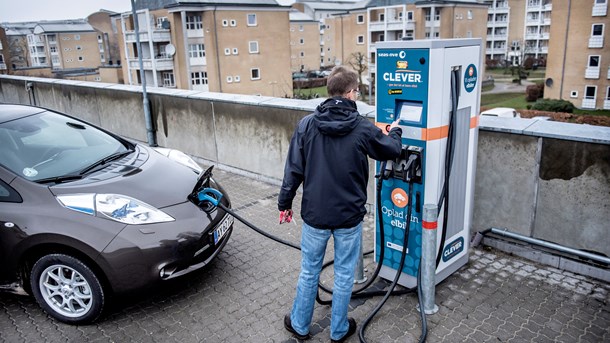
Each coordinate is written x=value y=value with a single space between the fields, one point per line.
x=239 y=47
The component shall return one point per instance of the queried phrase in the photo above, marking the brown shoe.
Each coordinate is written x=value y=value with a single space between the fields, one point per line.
x=350 y=331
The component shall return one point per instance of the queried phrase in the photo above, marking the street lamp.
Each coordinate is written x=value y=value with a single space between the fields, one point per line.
x=150 y=131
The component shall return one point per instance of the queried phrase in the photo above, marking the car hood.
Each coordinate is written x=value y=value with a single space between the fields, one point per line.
x=144 y=175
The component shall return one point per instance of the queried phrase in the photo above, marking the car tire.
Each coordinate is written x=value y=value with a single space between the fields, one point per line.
x=67 y=289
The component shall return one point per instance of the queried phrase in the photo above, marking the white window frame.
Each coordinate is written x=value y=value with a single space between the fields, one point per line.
x=194 y=22
x=360 y=39
x=250 y=45
x=233 y=23
x=236 y=78
x=79 y=48
x=169 y=79
x=593 y=29
x=599 y=58
x=360 y=19
x=469 y=15
x=196 y=50
x=258 y=71
x=225 y=22
x=301 y=41
x=301 y=28
x=76 y=37
x=587 y=87
x=227 y=51
x=251 y=19
x=199 y=78
x=229 y=79
x=160 y=21
x=574 y=94
x=302 y=54
x=235 y=51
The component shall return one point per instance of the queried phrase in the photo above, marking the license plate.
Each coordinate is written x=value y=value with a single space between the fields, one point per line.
x=220 y=231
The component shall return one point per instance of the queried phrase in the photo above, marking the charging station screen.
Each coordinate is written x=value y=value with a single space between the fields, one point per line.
x=411 y=112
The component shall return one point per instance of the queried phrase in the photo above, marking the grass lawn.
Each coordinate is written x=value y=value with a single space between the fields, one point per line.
x=513 y=100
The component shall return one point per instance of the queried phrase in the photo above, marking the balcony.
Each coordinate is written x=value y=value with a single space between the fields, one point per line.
x=592 y=73
x=596 y=42
x=608 y=77
x=160 y=64
x=157 y=36
x=2 y=66
x=498 y=10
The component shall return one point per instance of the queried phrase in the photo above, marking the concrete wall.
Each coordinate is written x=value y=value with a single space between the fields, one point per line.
x=547 y=180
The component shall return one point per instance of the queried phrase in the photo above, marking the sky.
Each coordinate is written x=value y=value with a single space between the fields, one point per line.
x=37 y=10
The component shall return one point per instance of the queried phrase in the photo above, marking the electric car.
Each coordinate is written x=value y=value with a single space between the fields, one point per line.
x=85 y=213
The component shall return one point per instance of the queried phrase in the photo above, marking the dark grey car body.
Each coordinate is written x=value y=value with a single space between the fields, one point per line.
x=33 y=223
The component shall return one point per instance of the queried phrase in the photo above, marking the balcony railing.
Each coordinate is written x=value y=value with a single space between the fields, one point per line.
x=157 y=36
x=599 y=10
x=588 y=103
x=592 y=73
x=606 y=104
x=2 y=66
x=147 y=64
x=596 y=42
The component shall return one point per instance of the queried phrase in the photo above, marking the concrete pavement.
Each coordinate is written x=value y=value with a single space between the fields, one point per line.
x=245 y=293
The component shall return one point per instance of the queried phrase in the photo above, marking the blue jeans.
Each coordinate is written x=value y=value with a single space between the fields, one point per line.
x=313 y=247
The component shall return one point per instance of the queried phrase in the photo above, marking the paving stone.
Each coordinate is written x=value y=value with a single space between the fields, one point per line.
x=243 y=295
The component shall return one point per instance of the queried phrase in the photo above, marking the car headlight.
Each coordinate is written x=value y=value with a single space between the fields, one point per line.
x=117 y=207
x=180 y=157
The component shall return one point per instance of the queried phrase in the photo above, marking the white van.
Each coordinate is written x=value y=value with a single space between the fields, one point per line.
x=505 y=112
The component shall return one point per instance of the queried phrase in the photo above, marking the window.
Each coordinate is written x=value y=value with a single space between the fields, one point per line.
x=469 y=14
x=160 y=21
x=225 y=23
x=76 y=37
x=594 y=61
x=590 y=92
x=100 y=47
x=8 y=194
x=252 y=19
x=302 y=41
x=360 y=39
x=236 y=78
x=102 y=58
x=194 y=22
x=235 y=51
x=97 y=78
x=608 y=93
x=381 y=17
x=81 y=58
x=168 y=79
x=360 y=19
x=301 y=28
x=597 y=30
x=55 y=60
x=233 y=22
x=227 y=51
x=381 y=37
x=574 y=94
x=229 y=79
x=78 y=47
x=199 y=78
x=52 y=49
x=255 y=74
x=196 y=51
x=302 y=54
x=253 y=47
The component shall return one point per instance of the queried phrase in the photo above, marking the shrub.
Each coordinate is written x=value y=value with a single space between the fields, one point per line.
x=553 y=105
x=528 y=63
x=534 y=92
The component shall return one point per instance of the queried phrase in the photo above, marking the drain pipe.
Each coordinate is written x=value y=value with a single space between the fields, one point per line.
x=504 y=232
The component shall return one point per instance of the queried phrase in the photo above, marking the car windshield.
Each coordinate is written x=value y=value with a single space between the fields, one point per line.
x=48 y=145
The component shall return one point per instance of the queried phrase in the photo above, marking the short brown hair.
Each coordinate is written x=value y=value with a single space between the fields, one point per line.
x=340 y=81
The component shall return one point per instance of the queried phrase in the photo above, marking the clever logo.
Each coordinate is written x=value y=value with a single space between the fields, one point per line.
x=453 y=249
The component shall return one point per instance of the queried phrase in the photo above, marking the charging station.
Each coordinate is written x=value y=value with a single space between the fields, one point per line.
x=433 y=86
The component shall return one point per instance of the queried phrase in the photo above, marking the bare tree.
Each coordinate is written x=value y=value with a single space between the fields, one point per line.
x=359 y=62
x=519 y=51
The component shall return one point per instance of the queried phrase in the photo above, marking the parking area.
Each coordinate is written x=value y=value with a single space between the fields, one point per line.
x=245 y=293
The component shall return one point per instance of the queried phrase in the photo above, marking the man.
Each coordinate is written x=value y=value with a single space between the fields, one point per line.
x=328 y=154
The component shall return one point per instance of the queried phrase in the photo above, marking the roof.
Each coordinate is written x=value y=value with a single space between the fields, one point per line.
x=300 y=16
x=65 y=26
x=157 y=4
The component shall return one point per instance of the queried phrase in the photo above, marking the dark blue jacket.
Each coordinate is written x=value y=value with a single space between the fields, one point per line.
x=328 y=154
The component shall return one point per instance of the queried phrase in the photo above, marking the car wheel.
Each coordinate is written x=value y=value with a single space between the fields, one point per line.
x=67 y=289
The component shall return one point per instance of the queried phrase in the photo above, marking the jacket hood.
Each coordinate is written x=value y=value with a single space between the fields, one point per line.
x=336 y=116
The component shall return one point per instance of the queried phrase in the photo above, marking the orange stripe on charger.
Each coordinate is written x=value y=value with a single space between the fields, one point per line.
x=433 y=133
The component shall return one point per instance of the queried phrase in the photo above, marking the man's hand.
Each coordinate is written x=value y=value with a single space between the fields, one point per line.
x=394 y=124
x=285 y=216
